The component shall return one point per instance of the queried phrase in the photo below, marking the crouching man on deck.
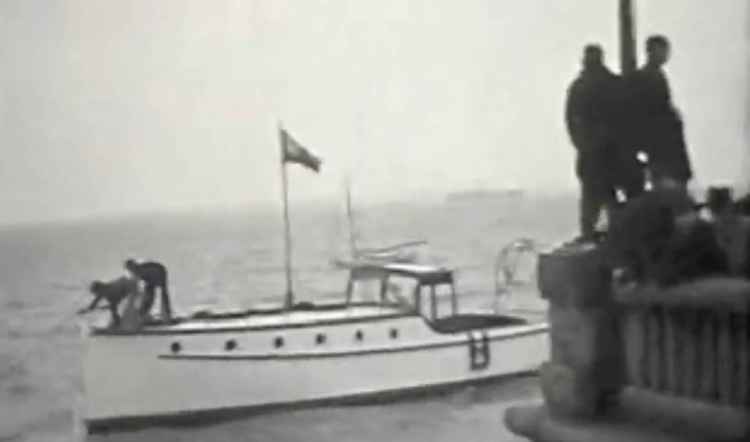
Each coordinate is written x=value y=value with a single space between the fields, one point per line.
x=114 y=292
x=154 y=275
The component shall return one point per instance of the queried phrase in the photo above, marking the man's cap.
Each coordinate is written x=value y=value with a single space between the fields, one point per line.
x=593 y=50
x=657 y=40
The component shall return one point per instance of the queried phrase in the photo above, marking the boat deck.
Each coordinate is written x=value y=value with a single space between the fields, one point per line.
x=458 y=323
x=298 y=317
x=277 y=318
x=326 y=314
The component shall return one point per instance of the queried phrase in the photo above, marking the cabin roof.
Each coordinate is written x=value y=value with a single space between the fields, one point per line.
x=425 y=274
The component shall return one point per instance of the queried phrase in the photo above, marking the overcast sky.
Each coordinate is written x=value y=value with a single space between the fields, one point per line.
x=115 y=105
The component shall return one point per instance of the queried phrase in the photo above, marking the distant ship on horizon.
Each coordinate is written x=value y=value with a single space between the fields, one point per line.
x=481 y=194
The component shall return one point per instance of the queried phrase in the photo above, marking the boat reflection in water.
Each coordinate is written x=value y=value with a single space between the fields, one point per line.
x=412 y=337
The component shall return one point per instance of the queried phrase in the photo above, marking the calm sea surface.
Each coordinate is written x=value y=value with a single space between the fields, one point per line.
x=234 y=259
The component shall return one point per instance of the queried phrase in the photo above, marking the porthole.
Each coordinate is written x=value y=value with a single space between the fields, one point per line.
x=320 y=338
x=394 y=333
x=230 y=345
x=175 y=347
x=278 y=342
x=359 y=335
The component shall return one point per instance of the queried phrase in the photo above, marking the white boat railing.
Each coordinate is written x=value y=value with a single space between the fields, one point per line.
x=508 y=260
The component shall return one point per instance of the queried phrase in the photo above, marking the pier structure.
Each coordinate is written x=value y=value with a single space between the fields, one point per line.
x=639 y=362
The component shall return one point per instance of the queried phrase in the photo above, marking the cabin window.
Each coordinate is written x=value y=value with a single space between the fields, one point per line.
x=394 y=333
x=435 y=298
x=278 y=342
x=320 y=338
x=359 y=335
x=230 y=345
x=175 y=347
x=400 y=291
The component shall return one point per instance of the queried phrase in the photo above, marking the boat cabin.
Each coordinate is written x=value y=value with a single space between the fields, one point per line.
x=427 y=290
x=425 y=283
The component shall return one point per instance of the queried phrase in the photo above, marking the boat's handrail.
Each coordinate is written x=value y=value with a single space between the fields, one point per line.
x=507 y=267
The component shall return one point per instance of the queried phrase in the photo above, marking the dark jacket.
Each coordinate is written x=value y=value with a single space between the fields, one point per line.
x=154 y=274
x=591 y=118
x=655 y=124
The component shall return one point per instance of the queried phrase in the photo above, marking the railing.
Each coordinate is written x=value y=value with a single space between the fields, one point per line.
x=640 y=362
x=689 y=341
x=508 y=260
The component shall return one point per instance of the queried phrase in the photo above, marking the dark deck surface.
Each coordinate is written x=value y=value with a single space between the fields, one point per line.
x=466 y=322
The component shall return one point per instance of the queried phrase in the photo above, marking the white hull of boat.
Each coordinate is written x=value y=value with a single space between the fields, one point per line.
x=361 y=353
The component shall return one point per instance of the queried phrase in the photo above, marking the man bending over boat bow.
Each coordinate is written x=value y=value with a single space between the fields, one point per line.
x=114 y=292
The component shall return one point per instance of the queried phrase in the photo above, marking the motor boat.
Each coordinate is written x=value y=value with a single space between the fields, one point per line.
x=410 y=335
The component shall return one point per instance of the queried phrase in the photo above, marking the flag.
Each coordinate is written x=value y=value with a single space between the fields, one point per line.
x=293 y=152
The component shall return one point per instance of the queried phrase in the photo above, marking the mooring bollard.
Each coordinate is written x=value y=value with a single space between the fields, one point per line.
x=585 y=365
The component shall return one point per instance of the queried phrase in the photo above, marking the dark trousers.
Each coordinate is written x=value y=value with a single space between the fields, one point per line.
x=148 y=300
x=595 y=197
x=667 y=150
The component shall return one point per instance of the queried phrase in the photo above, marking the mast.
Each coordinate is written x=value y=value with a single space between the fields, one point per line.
x=350 y=219
x=628 y=56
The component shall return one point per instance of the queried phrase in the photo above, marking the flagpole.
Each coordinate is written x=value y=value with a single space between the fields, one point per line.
x=289 y=297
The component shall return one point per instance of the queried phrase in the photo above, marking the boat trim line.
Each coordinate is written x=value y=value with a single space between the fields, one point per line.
x=536 y=329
